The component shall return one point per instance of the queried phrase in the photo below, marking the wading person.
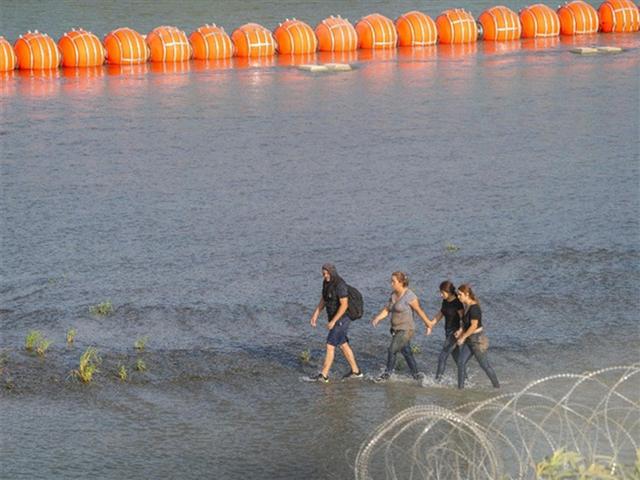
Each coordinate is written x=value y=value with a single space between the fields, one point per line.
x=451 y=310
x=471 y=339
x=402 y=305
x=335 y=298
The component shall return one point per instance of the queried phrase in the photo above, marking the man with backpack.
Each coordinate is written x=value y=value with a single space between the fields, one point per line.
x=343 y=303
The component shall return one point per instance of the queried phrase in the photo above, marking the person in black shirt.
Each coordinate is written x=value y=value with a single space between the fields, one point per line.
x=471 y=340
x=335 y=298
x=451 y=310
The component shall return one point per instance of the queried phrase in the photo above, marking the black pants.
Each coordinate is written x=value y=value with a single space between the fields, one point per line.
x=449 y=347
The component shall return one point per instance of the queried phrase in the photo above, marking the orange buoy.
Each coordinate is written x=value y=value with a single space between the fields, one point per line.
x=335 y=34
x=500 y=24
x=416 y=29
x=376 y=31
x=577 y=17
x=168 y=44
x=80 y=48
x=253 y=40
x=125 y=46
x=37 y=51
x=619 y=16
x=295 y=37
x=210 y=42
x=456 y=26
x=8 y=59
x=539 y=21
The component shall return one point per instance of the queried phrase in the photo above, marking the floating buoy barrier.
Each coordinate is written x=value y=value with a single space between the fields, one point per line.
x=125 y=46
x=333 y=44
x=500 y=24
x=336 y=34
x=253 y=40
x=168 y=44
x=295 y=37
x=8 y=59
x=539 y=21
x=210 y=42
x=619 y=16
x=577 y=18
x=37 y=51
x=456 y=26
x=376 y=32
x=80 y=48
x=416 y=29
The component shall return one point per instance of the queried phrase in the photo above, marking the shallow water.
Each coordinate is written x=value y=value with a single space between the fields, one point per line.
x=202 y=203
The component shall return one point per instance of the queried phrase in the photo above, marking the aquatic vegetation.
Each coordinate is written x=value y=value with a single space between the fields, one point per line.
x=9 y=384
x=36 y=342
x=451 y=248
x=415 y=349
x=140 y=365
x=103 y=309
x=33 y=338
x=122 y=373
x=563 y=464
x=567 y=426
x=71 y=336
x=305 y=357
x=42 y=346
x=88 y=366
x=140 y=343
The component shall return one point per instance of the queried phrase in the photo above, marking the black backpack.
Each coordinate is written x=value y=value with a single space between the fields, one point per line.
x=356 y=304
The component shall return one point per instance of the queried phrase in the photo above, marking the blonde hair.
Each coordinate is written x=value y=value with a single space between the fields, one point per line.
x=402 y=277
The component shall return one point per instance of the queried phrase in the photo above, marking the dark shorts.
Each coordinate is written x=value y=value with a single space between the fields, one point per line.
x=338 y=334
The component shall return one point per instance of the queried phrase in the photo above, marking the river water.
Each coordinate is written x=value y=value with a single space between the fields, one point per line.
x=202 y=200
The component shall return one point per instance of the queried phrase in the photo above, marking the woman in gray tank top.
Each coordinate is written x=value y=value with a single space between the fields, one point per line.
x=402 y=305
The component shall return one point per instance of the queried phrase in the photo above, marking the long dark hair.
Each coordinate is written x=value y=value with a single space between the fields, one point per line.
x=334 y=279
x=448 y=287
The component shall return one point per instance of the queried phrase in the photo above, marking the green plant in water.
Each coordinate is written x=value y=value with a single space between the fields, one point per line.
x=305 y=357
x=564 y=464
x=451 y=248
x=71 y=336
x=42 y=346
x=89 y=362
x=104 y=308
x=122 y=373
x=9 y=384
x=33 y=338
x=140 y=343
x=140 y=365
x=415 y=349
